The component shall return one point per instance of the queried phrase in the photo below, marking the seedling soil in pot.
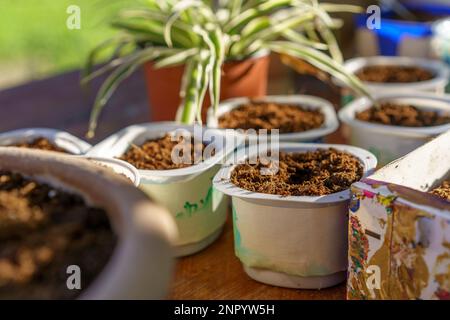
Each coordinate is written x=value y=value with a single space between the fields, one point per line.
x=41 y=144
x=402 y=115
x=443 y=190
x=156 y=154
x=261 y=115
x=394 y=74
x=43 y=230
x=312 y=173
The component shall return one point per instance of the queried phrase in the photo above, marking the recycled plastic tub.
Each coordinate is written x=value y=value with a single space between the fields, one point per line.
x=199 y=210
x=293 y=241
x=64 y=140
x=330 y=125
x=391 y=142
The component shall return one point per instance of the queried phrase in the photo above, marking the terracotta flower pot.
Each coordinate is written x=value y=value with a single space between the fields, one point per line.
x=246 y=78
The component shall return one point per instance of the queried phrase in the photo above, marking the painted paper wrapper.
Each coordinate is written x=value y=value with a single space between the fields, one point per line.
x=399 y=235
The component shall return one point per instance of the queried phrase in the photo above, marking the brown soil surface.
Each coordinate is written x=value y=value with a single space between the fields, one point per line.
x=393 y=74
x=157 y=154
x=402 y=115
x=443 y=190
x=258 y=115
x=44 y=230
x=41 y=144
x=312 y=173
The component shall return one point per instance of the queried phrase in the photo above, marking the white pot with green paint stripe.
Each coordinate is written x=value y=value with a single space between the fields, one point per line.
x=292 y=241
x=198 y=209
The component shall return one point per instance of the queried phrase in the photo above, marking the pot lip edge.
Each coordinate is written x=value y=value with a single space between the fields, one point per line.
x=114 y=161
x=441 y=70
x=260 y=54
x=50 y=134
x=331 y=123
x=133 y=132
x=347 y=115
x=222 y=182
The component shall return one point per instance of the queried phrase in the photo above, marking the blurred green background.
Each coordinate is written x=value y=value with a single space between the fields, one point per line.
x=35 y=41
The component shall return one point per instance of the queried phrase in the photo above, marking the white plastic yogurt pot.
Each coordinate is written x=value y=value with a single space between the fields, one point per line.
x=435 y=85
x=199 y=209
x=391 y=142
x=118 y=166
x=61 y=139
x=292 y=241
x=330 y=124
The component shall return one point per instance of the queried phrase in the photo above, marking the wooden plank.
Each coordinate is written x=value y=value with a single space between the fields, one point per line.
x=216 y=273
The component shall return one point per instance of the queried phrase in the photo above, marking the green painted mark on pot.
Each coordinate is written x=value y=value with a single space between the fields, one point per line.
x=346 y=99
x=190 y=209
x=383 y=156
x=236 y=233
x=242 y=253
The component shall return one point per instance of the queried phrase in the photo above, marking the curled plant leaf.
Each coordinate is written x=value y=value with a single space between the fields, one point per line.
x=204 y=34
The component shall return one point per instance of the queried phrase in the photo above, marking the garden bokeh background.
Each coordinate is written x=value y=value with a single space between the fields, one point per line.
x=35 y=42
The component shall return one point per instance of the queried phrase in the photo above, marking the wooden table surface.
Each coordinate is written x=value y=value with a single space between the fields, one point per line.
x=214 y=273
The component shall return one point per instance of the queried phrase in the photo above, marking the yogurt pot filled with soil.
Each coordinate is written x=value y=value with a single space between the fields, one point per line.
x=72 y=229
x=44 y=139
x=184 y=188
x=299 y=118
x=397 y=124
x=382 y=74
x=290 y=227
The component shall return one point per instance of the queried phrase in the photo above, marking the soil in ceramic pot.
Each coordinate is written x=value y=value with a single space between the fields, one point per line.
x=312 y=173
x=402 y=115
x=260 y=115
x=394 y=74
x=44 y=230
x=156 y=154
x=443 y=190
x=41 y=144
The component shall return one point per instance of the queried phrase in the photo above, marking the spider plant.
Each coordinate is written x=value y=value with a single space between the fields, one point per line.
x=202 y=35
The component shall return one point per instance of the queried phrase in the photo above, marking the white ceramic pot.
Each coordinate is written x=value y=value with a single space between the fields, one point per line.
x=61 y=139
x=141 y=264
x=199 y=210
x=436 y=85
x=293 y=241
x=391 y=142
x=330 y=125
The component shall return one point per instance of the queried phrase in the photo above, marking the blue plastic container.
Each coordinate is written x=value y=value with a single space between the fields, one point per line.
x=393 y=32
